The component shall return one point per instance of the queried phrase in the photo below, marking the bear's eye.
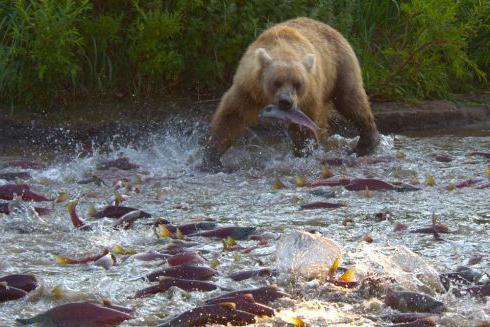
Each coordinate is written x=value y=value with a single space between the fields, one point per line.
x=277 y=84
x=297 y=85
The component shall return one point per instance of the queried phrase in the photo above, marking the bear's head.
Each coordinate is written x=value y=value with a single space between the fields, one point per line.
x=285 y=80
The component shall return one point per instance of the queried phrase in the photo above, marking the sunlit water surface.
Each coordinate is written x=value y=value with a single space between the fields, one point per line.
x=178 y=192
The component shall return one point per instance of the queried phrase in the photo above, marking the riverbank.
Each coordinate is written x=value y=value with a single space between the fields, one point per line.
x=98 y=122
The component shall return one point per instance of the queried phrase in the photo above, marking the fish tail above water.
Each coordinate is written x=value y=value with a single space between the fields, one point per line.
x=348 y=276
x=77 y=222
x=335 y=266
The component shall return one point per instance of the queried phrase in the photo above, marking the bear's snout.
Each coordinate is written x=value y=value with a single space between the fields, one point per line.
x=285 y=102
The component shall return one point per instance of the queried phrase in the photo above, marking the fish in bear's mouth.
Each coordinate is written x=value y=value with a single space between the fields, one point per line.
x=294 y=116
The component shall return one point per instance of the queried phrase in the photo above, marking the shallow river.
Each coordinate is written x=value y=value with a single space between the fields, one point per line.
x=172 y=188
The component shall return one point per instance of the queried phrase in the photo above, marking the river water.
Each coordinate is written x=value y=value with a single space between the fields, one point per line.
x=174 y=189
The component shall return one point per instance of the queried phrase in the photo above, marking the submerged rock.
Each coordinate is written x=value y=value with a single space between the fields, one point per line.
x=413 y=302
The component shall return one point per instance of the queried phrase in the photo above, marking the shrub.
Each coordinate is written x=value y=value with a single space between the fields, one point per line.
x=39 y=49
x=152 y=45
x=103 y=38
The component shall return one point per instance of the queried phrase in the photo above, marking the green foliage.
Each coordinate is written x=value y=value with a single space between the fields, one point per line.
x=60 y=48
x=426 y=53
x=152 y=45
x=477 y=16
x=103 y=38
x=39 y=47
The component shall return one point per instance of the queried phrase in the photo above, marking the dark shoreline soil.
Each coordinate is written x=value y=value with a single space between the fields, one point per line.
x=99 y=122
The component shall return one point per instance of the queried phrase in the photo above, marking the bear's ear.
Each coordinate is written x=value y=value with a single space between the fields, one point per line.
x=309 y=61
x=264 y=58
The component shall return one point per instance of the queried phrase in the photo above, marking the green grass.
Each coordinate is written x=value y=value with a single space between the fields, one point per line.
x=55 y=51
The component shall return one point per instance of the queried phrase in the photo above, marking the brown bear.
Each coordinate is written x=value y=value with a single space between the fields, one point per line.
x=301 y=63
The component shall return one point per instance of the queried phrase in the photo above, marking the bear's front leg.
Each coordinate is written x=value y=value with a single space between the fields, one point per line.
x=235 y=114
x=352 y=102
